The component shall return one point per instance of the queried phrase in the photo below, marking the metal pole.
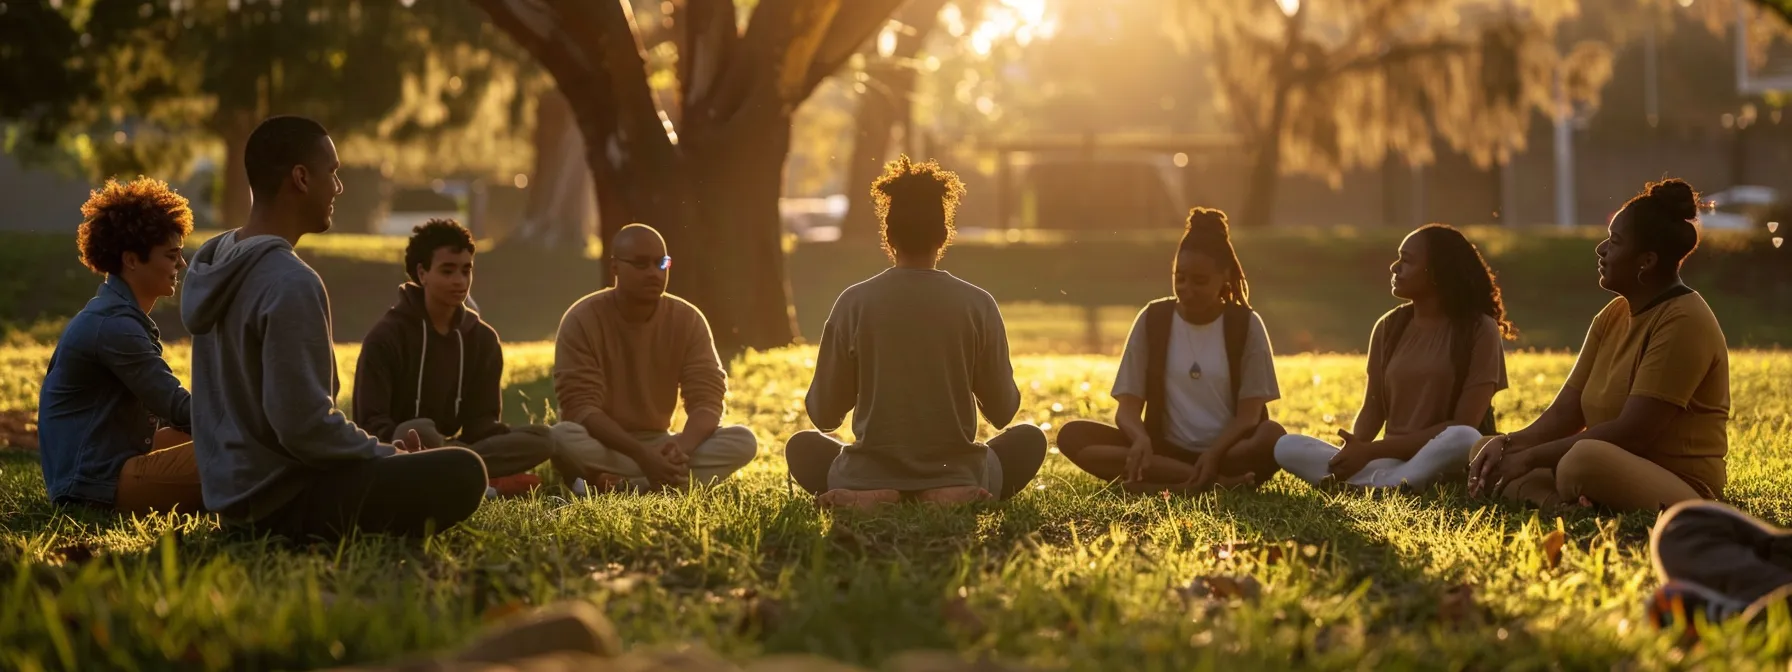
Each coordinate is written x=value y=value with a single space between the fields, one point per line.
x=1564 y=140
x=1651 y=76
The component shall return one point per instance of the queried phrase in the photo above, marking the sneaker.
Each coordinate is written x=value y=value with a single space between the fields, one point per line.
x=512 y=486
x=1683 y=601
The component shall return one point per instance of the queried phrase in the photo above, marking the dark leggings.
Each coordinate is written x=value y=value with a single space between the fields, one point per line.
x=1721 y=548
x=409 y=494
x=1020 y=449
x=1253 y=459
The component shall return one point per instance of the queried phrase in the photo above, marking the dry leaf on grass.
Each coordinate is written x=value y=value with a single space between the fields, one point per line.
x=18 y=429
x=74 y=554
x=503 y=610
x=1270 y=554
x=1222 y=588
x=1458 y=607
x=760 y=614
x=958 y=614
x=1552 y=548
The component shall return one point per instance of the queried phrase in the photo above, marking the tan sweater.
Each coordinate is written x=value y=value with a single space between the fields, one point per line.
x=635 y=372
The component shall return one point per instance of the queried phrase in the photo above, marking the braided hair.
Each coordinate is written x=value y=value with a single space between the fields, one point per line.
x=1208 y=233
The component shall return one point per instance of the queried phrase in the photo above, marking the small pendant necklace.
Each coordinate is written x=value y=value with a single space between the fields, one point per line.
x=1194 y=367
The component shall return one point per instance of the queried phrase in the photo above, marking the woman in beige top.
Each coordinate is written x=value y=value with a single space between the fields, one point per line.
x=1434 y=366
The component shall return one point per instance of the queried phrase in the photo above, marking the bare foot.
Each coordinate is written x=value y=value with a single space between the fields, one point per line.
x=857 y=499
x=1190 y=487
x=1149 y=488
x=1247 y=479
x=963 y=494
x=602 y=482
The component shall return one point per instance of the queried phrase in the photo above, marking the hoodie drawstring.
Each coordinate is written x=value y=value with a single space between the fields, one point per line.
x=460 y=376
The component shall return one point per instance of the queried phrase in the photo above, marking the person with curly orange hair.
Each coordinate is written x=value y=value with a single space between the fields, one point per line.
x=915 y=354
x=113 y=421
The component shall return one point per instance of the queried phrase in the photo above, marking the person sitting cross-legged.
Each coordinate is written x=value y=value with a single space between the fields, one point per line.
x=1434 y=365
x=432 y=365
x=1194 y=383
x=275 y=453
x=1641 y=423
x=108 y=387
x=622 y=359
x=914 y=353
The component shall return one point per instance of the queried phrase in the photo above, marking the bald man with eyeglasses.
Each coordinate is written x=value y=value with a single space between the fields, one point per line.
x=623 y=358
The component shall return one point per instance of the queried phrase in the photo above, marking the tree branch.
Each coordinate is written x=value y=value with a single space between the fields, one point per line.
x=1389 y=57
x=852 y=25
x=531 y=24
x=607 y=32
x=707 y=34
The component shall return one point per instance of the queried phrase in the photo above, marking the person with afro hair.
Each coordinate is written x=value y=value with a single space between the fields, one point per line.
x=1641 y=422
x=113 y=422
x=914 y=354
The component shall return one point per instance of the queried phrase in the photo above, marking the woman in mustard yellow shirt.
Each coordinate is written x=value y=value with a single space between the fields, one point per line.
x=1640 y=423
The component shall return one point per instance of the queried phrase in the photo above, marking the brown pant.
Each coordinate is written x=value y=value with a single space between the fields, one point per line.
x=164 y=479
x=515 y=452
x=1605 y=474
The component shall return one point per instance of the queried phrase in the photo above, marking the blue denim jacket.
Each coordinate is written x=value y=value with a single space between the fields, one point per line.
x=107 y=392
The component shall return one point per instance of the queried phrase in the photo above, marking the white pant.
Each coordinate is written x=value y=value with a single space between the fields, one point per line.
x=1310 y=459
x=718 y=457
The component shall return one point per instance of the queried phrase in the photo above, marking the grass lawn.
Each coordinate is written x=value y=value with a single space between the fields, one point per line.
x=1071 y=574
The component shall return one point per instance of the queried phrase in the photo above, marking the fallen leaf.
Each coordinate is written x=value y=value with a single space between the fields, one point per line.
x=760 y=615
x=75 y=554
x=1458 y=606
x=18 y=429
x=958 y=614
x=1223 y=588
x=1271 y=554
x=1552 y=548
x=503 y=610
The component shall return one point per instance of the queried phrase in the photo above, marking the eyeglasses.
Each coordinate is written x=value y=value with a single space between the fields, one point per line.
x=662 y=263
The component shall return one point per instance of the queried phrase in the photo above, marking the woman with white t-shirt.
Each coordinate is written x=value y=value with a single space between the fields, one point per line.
x=1435 y=363
x=1193 y=384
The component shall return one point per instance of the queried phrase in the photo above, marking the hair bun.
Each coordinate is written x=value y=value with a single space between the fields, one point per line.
x=1206 y=220
x=1676 y=197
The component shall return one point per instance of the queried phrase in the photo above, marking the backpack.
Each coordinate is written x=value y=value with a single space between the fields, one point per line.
x=1462 y=349
x=1158 y=316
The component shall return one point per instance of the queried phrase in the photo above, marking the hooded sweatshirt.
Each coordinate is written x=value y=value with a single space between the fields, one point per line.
x=265 y=422
x=408 y=370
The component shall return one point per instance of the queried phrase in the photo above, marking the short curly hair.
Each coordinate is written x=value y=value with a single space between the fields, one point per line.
x=130 y=217
x=433 y=235
x=916 y=203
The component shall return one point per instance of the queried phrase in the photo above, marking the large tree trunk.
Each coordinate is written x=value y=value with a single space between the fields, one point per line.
x=741 y=278
x=1266 y=166
x=233 y=205
x=886 y=104
x=879 y=112
x=563 y=209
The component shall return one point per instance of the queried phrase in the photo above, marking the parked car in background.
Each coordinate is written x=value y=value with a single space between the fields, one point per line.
x=1742 y=207
x=412 y=206
x=813 y=220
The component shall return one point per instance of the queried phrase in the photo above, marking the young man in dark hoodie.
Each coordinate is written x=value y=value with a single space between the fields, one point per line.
x=433 y=366
x=274 y=452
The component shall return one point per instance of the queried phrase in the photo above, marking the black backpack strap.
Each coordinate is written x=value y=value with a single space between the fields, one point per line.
x=1237 y=330
x=1157 y=352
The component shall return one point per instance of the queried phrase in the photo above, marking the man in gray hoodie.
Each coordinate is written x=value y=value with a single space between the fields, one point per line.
x=274 y=451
